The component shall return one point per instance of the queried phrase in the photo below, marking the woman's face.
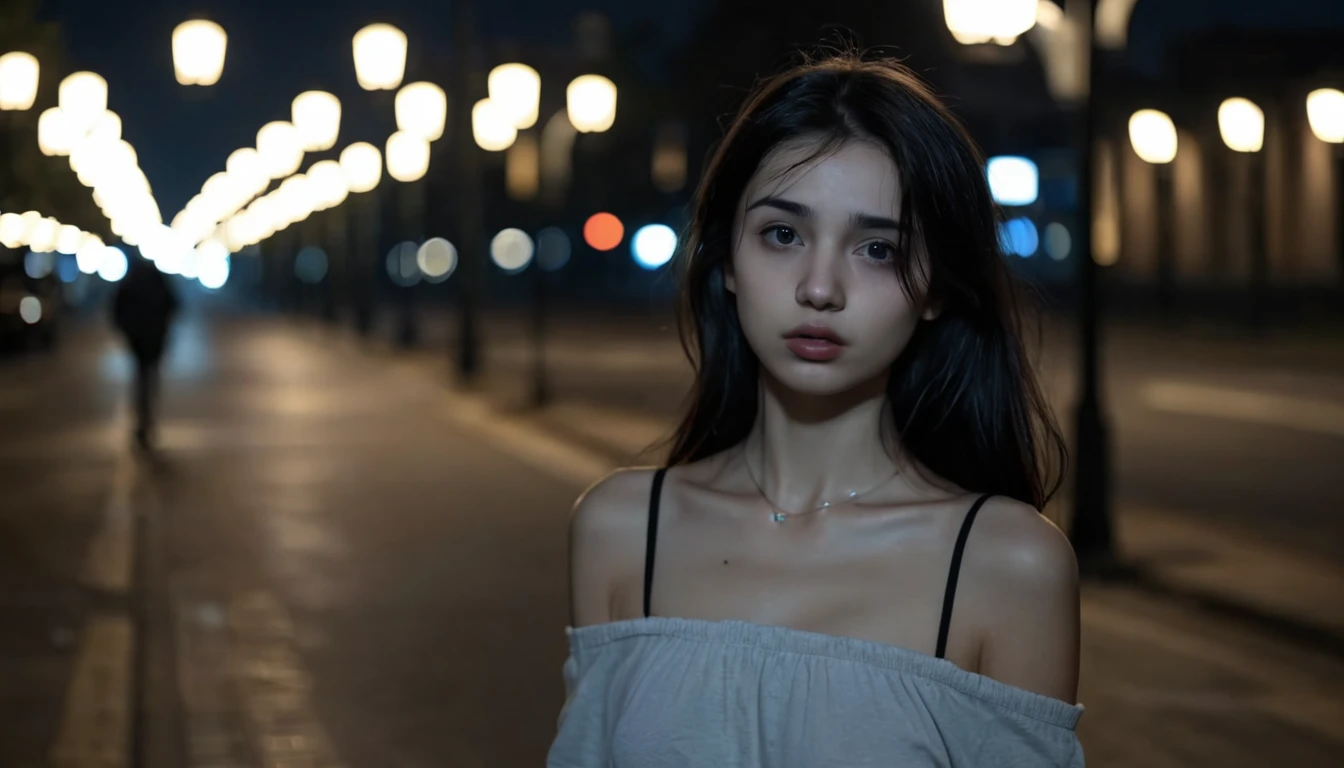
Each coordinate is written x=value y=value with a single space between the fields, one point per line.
x=813 y=268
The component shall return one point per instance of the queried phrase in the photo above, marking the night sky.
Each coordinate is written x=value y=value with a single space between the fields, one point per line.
x=278 y=48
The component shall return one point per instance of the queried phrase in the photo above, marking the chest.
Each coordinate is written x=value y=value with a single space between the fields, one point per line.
x=871 y=577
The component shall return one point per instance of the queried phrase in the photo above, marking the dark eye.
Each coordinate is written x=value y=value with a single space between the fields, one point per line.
x=780 y=235
x=879 y=251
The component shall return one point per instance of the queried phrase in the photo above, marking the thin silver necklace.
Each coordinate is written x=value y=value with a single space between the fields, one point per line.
x=779 y=515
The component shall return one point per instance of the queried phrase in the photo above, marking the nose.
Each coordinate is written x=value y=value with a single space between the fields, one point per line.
x=821 y=285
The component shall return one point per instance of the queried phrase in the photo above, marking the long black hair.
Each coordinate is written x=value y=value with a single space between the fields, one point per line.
x=965 y=401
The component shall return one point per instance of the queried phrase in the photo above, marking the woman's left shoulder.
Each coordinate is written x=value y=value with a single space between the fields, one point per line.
x=1017 y=547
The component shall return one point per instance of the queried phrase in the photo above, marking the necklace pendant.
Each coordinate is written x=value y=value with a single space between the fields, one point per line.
x=778 y=517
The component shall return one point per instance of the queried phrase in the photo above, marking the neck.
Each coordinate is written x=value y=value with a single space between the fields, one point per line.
x=805 y=450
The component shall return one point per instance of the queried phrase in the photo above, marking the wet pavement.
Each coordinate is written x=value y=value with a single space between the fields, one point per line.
x=334 y=560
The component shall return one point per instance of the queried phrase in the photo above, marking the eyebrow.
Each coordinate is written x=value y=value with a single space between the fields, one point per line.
x=859 y=220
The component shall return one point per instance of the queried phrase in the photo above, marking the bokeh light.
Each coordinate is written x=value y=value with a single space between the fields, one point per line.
x=1058 y=241
x=603 y=231
x=553 y=248
x=653 y=245
x=511 y=249
x=436 y=258
x=403 y=267
x=38 y=264
x=113 y=266
x=30 y=309
x=1013 y=180
x=310 y=265
x=1019 y=236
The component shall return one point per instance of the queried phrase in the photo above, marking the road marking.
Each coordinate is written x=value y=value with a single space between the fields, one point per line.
x=108 y=566
x=96 y=724
x=1300 y=413
x=95 y=720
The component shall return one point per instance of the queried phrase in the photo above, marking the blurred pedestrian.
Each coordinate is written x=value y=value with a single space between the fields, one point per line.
x=852 y=567
x=143 y=309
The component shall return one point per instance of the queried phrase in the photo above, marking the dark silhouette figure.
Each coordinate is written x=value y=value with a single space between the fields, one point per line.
x=142 y=310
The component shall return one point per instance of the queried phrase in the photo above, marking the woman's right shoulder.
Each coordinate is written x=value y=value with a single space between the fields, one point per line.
x=614 y=504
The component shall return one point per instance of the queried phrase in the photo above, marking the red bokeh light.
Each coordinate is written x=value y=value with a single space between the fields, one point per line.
x=603 y=231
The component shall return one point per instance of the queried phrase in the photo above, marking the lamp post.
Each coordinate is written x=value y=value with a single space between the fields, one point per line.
x=1325 y=114
x=407 y=162
x=1153 y=136
x=1242 y=126
x=329 y=184
x=198 y=52
x=362 y=165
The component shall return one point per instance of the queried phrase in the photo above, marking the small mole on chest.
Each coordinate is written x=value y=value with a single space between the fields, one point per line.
x=725 y=562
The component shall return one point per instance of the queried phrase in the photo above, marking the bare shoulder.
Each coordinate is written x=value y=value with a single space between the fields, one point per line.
x=1023 y=573
x=1021 y=548
x=606 y=535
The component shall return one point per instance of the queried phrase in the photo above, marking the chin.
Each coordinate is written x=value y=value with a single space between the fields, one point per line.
x=818 y=379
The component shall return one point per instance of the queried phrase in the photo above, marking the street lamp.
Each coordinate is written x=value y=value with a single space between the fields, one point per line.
x=1153 y=136
x=422 y=109
x=198 y=52
x=362 y=165
x=83 y=97
x=516 y=88
x=1325 y=113
x=317 y=118
x=281 y=148
x=1242 y=125
x=979 y=21
x=591 y=103
x=54 y=136
x=380 y=57
x=18 y=81
x=408 y=161
x=491 y=126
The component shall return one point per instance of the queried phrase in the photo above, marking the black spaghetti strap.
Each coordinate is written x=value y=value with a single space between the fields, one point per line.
x=946 y=622
x=652 y=544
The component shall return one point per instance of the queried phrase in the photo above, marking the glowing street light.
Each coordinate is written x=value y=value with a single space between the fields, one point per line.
x=380 y=57
x=54 y=136
x=1242 y=125
x=979 y=21
x=83 y=98
x=328 y=182
x=1325 y=113
x=317 y=117
x=591 y=103
x=516 y=88
x=1013 y=180
x=281 y=148
x=422 y=109
x=362 y=165
x=407 y=156
x=491 y=127
x=18 y=80
x=198 y=52
x=1153 y=136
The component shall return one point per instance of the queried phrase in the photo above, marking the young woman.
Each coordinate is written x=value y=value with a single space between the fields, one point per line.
x=844 y=562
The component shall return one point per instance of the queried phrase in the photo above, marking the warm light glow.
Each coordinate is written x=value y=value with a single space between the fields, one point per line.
x=977 y=21
x=54 y=136
x=1242 y=125
x=281 y=148
x=362 y=165
x=317 y=117
x=1153 y=136
x=1325 y=114
x=591 y=103
x=328 y=182
x=380 y=57
x=1112 y=23
x=511 y=249
x=1013 y=180
x=90 y=254
x=522 y=168
x=18 y=80
x=113 y=264
x=407 y=156
x=68 y=239
x=603 y=231
x=42 y=234
x=516 y=88
x=198 y=52
x=83 y=98
x=249 y=169
x=422 y=109
x=12 y=228
x=669 y=161
x=491 y=127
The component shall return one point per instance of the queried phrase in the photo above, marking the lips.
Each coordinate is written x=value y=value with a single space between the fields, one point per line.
x=814 y=342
